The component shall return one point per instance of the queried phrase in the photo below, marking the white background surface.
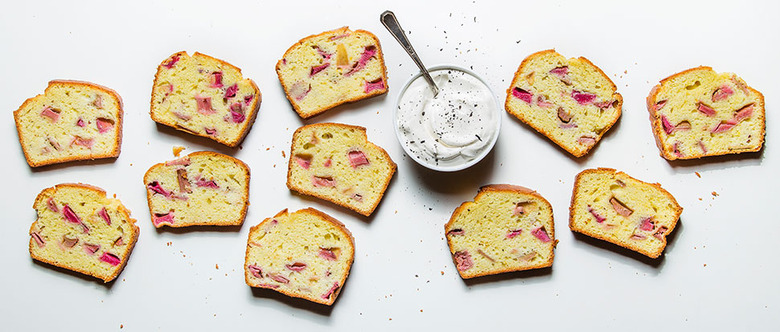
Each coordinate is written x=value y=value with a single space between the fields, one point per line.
x=719 y=271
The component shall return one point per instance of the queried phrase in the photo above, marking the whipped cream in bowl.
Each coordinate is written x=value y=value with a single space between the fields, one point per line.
x=454 y=130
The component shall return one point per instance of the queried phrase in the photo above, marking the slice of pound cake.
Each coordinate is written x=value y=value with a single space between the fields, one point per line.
x=80 y=229
x=699 y=113
x=614 y=207
x=337 y=163
x=571 y=101
x=305 y=254
x=204 y=96
x=506 y=228
x=70 y=121
x=203 y=188
x=332 y=68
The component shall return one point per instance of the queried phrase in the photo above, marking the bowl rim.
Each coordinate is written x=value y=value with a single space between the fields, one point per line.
x=450 y=168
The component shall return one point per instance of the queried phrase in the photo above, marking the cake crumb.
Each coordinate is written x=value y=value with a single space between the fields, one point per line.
x=705 y=264
x=283 y=154
x=697 y=174
x=442 y=272
x=121 y=326
x=715 y=194
x=177 y=150
x=266 y=149
x=217 y=266
x=421 y=310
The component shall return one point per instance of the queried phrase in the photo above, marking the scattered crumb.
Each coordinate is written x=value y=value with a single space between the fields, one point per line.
x=217 y=266
x=121 y=326
x=699 y=198
x=390 y=318
x=705 y=264
x=697 y=174
x=266 y=149
x=421 y=310
x=442 y=272
x=283 y=154
x=715 y=194
x=177 y=150
x=625 y=72
x=274 y=165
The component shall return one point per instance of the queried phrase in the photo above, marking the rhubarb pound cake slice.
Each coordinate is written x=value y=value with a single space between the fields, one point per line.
x=506 y=228
x=571 y=101
x=617 y=208
x=204 y=96
x=70 y=121
x=203 y=188
x=305 y=254
x=700 y=113
x=80 y=229
x=337 y=163
x=332 y=68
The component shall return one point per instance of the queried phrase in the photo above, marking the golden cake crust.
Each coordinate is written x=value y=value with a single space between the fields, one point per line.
x=362 y=130
x=250 y=116
x=306 y=115
x=338 y=224
x=245 y=193
x=508 y=188
x=576 y=195
x=89 y=85
x=563 y=145
x=657 y=127
x=133 y=238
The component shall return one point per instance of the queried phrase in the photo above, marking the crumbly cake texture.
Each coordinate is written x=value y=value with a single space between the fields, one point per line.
x=70 y=121
x=332 y=68
x=337 y=163
x=305 y=254
x=204 y=96
x=506 y=228
x=80 y=229
x=614 y=207
x=571 y=101
x=202 y=188
x=699 y=113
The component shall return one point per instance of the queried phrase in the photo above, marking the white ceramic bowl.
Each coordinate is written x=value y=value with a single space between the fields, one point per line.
x=497 y=114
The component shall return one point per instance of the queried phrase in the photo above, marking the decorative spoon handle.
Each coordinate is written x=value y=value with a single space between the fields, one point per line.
x=391 y=23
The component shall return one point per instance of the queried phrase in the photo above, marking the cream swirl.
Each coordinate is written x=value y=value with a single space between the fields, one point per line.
x=454 y=127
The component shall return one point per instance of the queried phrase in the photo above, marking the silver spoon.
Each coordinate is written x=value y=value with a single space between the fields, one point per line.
x=391 y=23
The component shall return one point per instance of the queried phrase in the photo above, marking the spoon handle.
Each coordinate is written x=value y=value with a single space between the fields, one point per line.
x=391 y=23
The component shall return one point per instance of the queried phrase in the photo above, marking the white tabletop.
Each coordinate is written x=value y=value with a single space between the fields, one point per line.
x=719 y=270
